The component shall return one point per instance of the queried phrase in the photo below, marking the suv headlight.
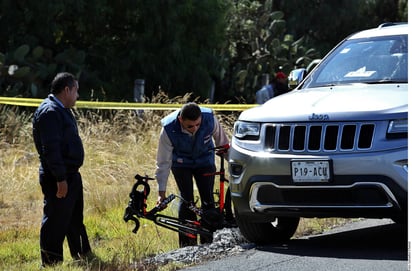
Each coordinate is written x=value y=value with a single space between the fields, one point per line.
x=398 y=129
x=247 y=130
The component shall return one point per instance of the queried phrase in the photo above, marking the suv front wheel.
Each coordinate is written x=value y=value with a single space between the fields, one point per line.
x=280 y=230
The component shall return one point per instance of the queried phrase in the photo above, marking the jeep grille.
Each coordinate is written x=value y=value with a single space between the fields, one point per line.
x=317 y=137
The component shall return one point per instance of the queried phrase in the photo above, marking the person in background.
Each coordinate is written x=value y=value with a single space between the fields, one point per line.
x=266 y=92
x=277 y=86
x=281 y=84
x=61 y=154
x=186 y=144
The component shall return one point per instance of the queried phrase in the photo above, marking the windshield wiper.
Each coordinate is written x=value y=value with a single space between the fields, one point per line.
x=386 y=81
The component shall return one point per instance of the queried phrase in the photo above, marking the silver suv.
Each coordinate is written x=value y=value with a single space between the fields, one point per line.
x=336 y=146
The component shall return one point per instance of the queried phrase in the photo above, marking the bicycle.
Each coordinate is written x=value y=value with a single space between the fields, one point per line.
x=209 y=220
x=224 y=202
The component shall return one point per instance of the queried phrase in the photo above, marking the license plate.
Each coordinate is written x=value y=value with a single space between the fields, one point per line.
x=310 y=171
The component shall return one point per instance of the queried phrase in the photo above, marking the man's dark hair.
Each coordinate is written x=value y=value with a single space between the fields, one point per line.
x=62 y=80
x=190 y=111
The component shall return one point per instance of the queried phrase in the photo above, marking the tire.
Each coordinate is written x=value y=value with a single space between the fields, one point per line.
x=228 y=205
x=278 y=231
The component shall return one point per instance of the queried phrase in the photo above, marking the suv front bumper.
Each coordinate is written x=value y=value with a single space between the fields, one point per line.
x=361 y=185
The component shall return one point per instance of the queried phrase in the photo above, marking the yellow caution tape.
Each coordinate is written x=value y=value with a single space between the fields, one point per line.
x=31 y=102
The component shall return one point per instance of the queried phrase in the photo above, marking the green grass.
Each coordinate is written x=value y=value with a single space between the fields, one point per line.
x=118 y=145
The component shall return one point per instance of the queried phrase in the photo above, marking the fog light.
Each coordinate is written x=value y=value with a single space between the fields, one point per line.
x=236 y=169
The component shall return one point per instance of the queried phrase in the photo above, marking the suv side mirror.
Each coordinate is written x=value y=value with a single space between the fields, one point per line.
x=295 y=77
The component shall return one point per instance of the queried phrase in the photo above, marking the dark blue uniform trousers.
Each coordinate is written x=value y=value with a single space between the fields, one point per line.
x=62 y=218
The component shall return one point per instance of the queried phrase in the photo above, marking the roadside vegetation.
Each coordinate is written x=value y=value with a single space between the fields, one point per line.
x=191 y=46
x=118 y=145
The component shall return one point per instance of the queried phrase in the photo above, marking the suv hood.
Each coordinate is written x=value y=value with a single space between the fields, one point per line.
x=361 y=101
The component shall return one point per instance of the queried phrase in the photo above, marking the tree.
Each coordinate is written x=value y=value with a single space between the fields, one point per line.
x=178 y=46
x=257 y=44
x=109 y=44
x=324 y=23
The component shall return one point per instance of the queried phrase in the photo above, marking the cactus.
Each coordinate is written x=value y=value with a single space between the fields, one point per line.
x=21 y=72
x=26 y=71
x=21 y=53
x=37 y=52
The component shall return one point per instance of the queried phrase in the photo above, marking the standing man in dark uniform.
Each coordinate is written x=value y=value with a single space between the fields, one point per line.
x=61 y=155
x=185 y=147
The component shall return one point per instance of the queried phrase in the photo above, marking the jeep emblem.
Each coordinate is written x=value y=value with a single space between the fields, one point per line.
x=319 y=117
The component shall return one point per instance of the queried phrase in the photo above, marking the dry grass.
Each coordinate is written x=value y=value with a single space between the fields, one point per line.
x=118 y=144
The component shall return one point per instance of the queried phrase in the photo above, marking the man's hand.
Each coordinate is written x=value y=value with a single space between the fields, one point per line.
x=161 y=197
x=61 y=189
x=221 y=150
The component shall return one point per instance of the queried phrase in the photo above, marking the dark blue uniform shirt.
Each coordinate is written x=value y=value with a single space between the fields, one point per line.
x=57 y=139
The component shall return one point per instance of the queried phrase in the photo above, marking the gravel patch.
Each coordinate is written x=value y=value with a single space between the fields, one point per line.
x=226 y=242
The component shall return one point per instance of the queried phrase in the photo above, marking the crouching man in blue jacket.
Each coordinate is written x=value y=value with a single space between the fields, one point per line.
x=186 y=141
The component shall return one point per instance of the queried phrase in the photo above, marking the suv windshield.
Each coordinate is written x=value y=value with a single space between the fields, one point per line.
x=369 y=60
